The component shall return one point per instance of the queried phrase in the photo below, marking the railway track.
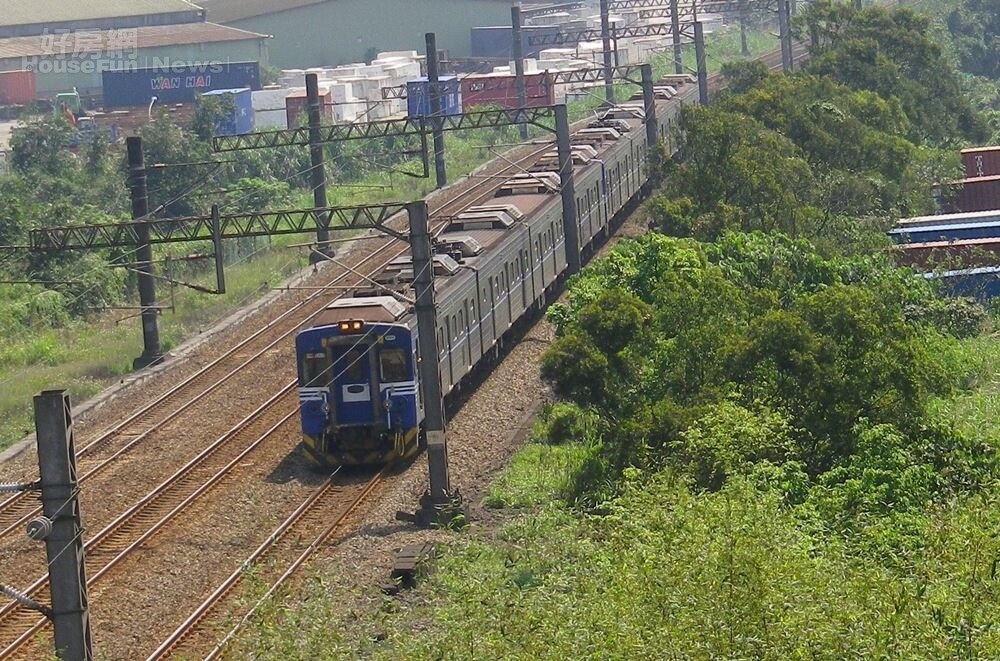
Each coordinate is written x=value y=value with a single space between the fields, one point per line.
x=137 y=429
x=311 y=521
x=162 y=506
x=153 y=514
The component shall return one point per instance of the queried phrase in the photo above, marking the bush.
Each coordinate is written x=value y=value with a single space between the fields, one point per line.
x=565 y=422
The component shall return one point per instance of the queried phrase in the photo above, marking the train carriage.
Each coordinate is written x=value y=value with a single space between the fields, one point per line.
x=360 y=397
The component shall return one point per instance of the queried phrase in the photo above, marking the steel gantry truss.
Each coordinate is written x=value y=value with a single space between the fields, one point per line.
x=635 y=31
x=393 y=128
x=203 y=228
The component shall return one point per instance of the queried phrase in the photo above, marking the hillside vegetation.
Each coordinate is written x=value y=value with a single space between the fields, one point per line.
x=771 y=443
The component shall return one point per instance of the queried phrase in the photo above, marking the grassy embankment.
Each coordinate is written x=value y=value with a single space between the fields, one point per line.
x=890 y=552
x=89 y=355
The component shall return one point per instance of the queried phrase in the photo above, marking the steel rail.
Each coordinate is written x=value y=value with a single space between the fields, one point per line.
x=112 y=545
x=8 y=614
x=317 y=504
x=11 y=519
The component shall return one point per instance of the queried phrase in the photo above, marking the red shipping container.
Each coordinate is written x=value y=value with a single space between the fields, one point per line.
x=502 y=90
x=981 y=161
x=17 y=88
x=979 y=194
x=963 y=253
x=296 y=104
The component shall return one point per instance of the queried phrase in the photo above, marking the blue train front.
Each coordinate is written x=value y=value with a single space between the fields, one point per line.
x=358 y=394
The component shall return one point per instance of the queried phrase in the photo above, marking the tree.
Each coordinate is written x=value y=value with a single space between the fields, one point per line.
x=891 y=53
x=975 y=28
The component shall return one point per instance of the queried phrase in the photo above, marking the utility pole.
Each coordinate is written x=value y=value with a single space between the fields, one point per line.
x=785 y=36
x=61 y=527
x=568 y=190
x=699 y=50
x=518 y=52
x=439 y=505
x=649 y=103
x=744 y=46
x=220 y=263
x=138 y=186
x=437 y=121
x=609 y=88
x=675 y=31
x=317 y=175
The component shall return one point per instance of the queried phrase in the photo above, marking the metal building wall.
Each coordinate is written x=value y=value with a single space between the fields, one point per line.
x=330 y=33
x=58 y=75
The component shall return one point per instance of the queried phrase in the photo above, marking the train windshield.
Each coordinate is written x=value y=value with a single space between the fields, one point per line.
x=316 y=370
x=392 y=366
x=352 y=366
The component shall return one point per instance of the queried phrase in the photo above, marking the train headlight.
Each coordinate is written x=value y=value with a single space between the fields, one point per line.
x=351 y=326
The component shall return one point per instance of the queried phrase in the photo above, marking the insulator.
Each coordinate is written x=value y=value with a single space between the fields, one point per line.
x=25 y=600
x=39 y=528
x=13 y=487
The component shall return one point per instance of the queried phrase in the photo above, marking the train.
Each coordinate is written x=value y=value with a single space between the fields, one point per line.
x=361 y=401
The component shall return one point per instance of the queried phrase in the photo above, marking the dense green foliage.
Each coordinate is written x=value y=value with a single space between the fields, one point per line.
x=975 y=28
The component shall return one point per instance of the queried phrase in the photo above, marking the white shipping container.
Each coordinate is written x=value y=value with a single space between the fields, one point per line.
x=408 y=54
x=269 y=108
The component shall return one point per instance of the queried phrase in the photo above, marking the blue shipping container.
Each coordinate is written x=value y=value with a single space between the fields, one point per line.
x=132 y=88
x=418 y=98
x=238 y=105
x=946 y=232
x=498 y=41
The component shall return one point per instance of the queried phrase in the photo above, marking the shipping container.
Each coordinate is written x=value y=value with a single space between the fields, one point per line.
x=238 y=118
x=17 y=88
x=980 y=282
x=133 y=88
x=296 y=107
x=501 y=90
x=498 y=41
x=979 y=194
x=418 y=99
x=981 y=161
x=961 y=253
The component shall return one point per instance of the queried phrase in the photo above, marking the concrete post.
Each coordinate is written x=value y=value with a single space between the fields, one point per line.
x=151 y=353
x=649 y=103
x=699 y=49
x=317 y=175
x=784 y=36
x=64 y=544
x=675 y=32
x=518 y=53
x=437 y=121
x=570 y=229
x=609 y=88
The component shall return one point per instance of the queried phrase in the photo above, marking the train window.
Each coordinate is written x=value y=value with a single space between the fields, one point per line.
x=315 y=370
x=392 y=366
x=353 y=366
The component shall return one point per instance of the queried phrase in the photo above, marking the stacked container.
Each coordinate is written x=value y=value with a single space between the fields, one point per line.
x=981 y=161
x=980 y=194
x=418 y=98
x=269 y=108
x=17 y=88
x=501 y=90
x=239 y=118
x=297 y=105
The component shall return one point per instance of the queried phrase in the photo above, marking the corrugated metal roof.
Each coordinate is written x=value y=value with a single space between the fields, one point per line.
x=111 y=40
x=226 y=11
x=33 y=12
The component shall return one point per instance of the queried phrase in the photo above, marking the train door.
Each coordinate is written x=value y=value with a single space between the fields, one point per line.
x=508 y=293
x=351 y=383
